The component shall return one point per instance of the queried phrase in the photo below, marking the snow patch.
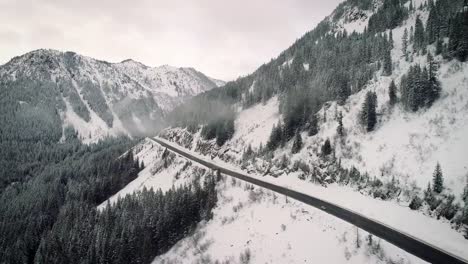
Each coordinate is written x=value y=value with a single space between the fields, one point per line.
x=253 y=125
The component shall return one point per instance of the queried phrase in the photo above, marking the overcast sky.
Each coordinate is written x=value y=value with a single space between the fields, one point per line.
x=223 y=39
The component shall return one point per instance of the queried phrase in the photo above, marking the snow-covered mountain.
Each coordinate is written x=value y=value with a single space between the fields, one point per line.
x=383 y=173
x=98 y=98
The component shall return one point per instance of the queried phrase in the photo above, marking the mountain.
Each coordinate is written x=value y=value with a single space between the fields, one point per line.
x=367 y=110
x=95 y=97
x=319 y=88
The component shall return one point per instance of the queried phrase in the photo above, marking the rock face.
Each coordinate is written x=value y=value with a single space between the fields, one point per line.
x=99 y=98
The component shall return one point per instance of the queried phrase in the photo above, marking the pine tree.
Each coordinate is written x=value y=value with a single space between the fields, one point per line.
x=434 y=88
x=248 y=153
x=390 y=39
x=419 y=39
x=458 y=36
x=340 y=129
x=411 y=35
x=427 y=192
x=405 y=44
x=313 y=126
x=439 y=47
x=276 y=137
x=392 y=93
x=387 y=63
x=326 y=148
x=438 y=179
x=297 y=144
x=433 y=25
x=344 y=91
x=368 y=115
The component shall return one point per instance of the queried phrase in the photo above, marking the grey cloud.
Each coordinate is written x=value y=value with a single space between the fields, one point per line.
x=223 y=39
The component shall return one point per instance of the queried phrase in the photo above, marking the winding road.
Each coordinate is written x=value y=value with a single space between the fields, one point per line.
x=408 y=243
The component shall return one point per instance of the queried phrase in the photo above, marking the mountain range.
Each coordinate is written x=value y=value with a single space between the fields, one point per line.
x=98 y=98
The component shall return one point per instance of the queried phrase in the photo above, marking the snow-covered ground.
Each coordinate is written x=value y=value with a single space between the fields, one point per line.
x=254 y=225
x=395 y=215
x=404 y=145
x=253 y=125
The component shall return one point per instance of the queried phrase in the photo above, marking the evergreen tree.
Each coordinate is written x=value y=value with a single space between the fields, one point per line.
x=411 y=35
x=344 y=91
x=392 y=93
x=313 y=125
x=434 y=88
x=415 y=203
x=276 y=137
x=458 y=37
x=387 y=63
x=419 y=39
x=420 y=87
x=326 y=148
x=390 y=39
x=248 y=153
x=439 y=47
x=405 y=44
x=433 y=25
x=438 y=179
x=368 y=115
x=340 y=129
x=297 y=144
x=388 y=16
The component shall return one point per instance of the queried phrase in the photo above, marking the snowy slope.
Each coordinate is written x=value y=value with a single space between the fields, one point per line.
x=409 y=145
x=395 y=214
x=98 y=98
x=256 y=224
x=404 y=144
x=251 y=124
x=161 y=172
x=404 y=147
x=252 y=225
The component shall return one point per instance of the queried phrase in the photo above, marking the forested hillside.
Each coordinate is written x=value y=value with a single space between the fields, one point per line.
x=330 y=63
x=373 y=99
x=51 y=215
x=51 y=182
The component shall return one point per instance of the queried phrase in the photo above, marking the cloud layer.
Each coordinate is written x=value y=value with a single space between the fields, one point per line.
x=224 y=39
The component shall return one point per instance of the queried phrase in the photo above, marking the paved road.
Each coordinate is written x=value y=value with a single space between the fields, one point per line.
x=404 y=241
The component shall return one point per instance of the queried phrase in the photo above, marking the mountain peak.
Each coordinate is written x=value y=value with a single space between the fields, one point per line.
x=133 y=62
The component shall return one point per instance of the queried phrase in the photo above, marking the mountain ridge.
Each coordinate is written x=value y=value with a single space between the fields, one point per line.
x=99 y=98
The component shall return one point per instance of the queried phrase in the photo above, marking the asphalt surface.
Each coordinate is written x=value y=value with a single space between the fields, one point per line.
x=412 y=245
